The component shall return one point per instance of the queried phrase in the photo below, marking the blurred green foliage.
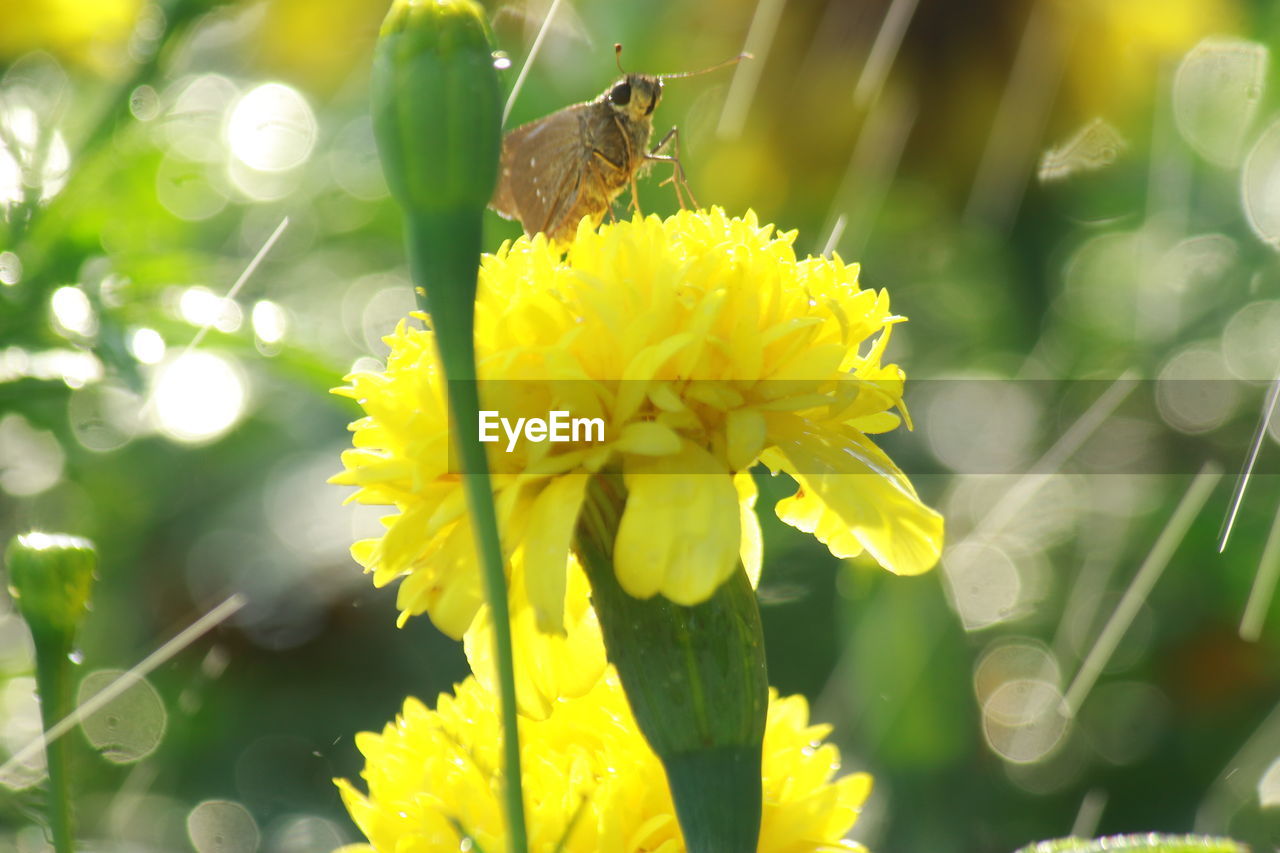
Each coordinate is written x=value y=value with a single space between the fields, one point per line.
x=1024 y=240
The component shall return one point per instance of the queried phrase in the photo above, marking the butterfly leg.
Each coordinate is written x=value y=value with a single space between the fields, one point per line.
x=606 y=173
x=635 y=199
x=677 y=179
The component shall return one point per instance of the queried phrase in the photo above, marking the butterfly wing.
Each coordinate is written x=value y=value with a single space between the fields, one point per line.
x=544 y=163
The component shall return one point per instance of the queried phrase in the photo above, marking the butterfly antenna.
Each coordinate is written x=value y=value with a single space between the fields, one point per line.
x=716 y=67
x=617 y=55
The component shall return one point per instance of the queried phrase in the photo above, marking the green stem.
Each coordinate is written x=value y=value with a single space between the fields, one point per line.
x=53 y=681
x=443 y=254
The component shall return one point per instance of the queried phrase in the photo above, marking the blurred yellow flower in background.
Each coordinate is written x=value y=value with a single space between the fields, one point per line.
x=1121 y=48
x=317 y=44
x=591 y=782
x=90 y=33
x=705 y=346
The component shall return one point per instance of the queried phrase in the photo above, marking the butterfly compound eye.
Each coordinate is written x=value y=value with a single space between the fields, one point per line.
x=620 y=94
x=653 y=102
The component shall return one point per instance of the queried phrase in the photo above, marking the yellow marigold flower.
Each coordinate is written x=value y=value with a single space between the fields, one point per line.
x=589 y=780
x=705 y=346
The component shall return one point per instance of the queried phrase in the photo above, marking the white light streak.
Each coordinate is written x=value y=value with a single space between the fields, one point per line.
x=1143 y=582
x=186 y=637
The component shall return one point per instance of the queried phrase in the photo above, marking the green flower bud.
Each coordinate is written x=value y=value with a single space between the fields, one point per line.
x=50 y=578
x=437 y=105
x=695 y=679
x=437 y=118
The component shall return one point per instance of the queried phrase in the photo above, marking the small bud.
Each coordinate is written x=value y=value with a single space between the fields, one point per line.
x=50 y=578
x=437 y=118
x=437 y=105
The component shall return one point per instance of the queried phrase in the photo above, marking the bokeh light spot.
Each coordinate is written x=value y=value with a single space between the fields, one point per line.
x=1023 y=721
x=269 y=322
x=17 y=651
x=271 y=128
x=183 y=188
x=19 y=726
x=72 y=311
x=981 y=426
x=192 y=123
x=130 y=726
x=77 y=369
x=201 y=307
x=221 y=826
x=1010 y=659
x=144 y=103
x=10 y=268
x=1269 y=786
x=382 y=310
x=1099 y=282
x=304 y=834
x=1194 y=394
x=985 y=585
x=1251 y=341
x=1260 y=186
x=31 y=460
x=1216 y=93
x=104 y=416
x=147 y=346
x=197 y=397
x=20 y=153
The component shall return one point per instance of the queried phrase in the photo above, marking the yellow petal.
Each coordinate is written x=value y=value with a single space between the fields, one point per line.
x=403 y=542
x=648 y=438
x=546 y=547
x=746 y=433
x=666 y=398
x=850 y=491
x=641 y=369
x=751 y=547
x=680 y=531
x=448 y=584
x=548 y=667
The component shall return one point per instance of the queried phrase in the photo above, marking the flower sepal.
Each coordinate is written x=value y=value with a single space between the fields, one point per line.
x=50 y=579
x=695 y=679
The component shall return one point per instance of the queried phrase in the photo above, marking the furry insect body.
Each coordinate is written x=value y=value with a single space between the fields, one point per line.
x=576 y=161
